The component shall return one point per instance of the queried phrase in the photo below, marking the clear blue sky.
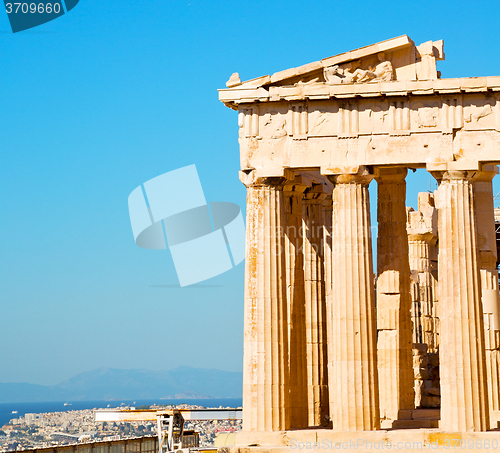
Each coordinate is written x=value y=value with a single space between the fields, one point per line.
x=117 y=92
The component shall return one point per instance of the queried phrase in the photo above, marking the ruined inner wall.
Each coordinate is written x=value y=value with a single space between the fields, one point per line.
x=423 y=251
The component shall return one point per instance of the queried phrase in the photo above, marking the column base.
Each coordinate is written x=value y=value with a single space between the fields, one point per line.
x=495 y=419
x=410 y=419
x=401 y=440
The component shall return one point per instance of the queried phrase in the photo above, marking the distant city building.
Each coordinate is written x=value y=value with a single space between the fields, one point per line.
x=64 y=437
x=54 y=429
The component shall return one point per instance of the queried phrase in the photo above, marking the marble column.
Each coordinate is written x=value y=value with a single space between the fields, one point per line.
x=265 y=370
x=327 y=243
x=423 y=255
x=422 y=245
x=485 y=218
x=464 y=392
x=315 y=306
x=293 y=193
x=394 y=343
x=329 y=296
x=352 y=353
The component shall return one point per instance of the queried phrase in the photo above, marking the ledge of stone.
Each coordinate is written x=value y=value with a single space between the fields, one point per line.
x=238 y=95
x=402 y=440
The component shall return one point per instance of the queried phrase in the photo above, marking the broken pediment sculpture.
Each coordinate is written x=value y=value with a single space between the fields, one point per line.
x=382 y=72
x=396 y=59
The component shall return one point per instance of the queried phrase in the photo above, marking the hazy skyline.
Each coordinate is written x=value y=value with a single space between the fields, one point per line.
x=116 y=93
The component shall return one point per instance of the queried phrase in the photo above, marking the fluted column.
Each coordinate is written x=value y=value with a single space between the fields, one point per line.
x=315 y=306
x=293 y=193
x=485 y=218
x=422 y=239
x=329 y=296
x=394 y=343
x=327 y=244
x=352 y=354
x=265 y=370
x=464 y=393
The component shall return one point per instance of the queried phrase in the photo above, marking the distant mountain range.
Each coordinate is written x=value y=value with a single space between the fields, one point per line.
x=114 y=384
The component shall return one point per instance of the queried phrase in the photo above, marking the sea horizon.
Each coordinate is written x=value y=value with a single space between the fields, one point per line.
x=38 y=407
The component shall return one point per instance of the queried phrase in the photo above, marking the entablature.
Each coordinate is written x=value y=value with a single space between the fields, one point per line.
x=349 y=111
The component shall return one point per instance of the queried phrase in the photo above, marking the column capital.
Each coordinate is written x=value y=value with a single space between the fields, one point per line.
x=427 y=237
x=487 y=174
x=317 y=193
x=315 y=198
x=295 y=187
x=252 y=180
x=453 y=175
x=390 y=174
x=457 y=170
x=364 y=178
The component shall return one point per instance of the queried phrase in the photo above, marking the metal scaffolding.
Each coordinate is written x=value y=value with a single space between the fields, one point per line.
x=170 y=423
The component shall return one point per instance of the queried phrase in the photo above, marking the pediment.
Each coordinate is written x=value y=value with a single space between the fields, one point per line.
x=396 y=59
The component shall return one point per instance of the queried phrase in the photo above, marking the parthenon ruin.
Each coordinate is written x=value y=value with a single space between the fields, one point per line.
x=328 y=343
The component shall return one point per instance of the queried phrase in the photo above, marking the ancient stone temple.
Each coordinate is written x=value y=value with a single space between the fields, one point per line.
x=328 y=340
